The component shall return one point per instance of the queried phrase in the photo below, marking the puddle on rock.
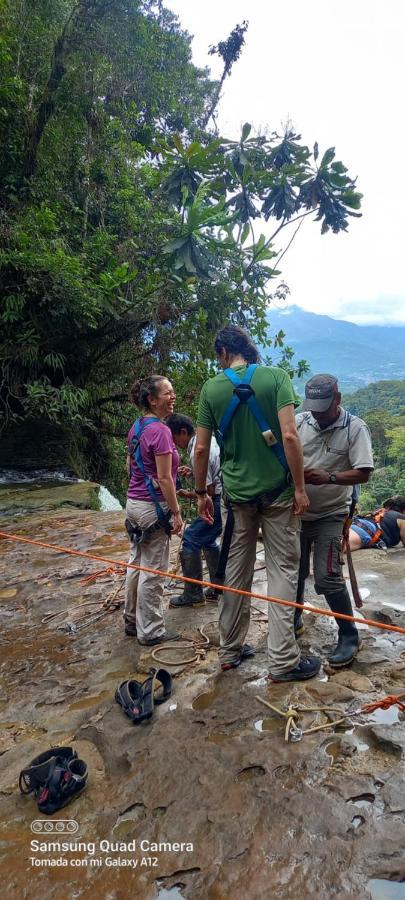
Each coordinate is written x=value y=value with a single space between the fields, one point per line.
x=123 y=674
x=123 y=828
x=8 y=593
x=383 y=889
x=220 y=737
x=385 y=716
x=362 y=801
x=357 y=821
x=171 y=893
x=333 y=750
x=268 y=725
x=250 y=772
x=204 y=701
x=90 y=701
x=128 y=819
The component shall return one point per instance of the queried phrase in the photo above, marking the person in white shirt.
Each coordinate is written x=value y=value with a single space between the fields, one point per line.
x=200 y=535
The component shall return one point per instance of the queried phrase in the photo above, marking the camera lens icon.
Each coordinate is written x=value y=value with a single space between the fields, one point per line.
x=54 y=826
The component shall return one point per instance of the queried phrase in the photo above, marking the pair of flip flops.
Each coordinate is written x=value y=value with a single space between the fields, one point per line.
x=55 y=778
x=137 y=698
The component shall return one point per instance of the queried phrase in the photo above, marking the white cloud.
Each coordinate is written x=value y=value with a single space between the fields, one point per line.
x=335 y=70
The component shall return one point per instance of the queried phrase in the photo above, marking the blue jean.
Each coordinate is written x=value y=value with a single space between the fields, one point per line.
x=199 y=534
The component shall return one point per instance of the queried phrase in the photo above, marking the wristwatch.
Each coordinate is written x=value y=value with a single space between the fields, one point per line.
x=200 y=493
x=332 y=478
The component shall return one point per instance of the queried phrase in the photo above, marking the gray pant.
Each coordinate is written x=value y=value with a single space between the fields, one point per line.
x=144 y=591
x=280 y=529
x=324 y=536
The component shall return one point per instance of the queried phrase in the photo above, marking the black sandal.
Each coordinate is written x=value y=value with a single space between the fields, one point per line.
x=137 y=698
x=55 y=777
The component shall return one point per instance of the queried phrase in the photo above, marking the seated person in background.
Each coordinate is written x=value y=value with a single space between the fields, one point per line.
x=200 y=535
x=381 y=529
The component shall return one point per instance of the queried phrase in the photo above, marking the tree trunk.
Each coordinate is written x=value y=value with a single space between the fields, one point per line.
x=83 y=13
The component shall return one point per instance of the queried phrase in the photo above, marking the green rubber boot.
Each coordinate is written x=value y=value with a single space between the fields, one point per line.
x=191 y=566
x=348 y=643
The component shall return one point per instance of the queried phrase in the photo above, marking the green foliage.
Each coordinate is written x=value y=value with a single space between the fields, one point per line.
x=381 y=395
x=388 y=439
x=126 y=228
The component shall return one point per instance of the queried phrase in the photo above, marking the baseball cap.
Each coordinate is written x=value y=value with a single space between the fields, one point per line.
x=320 y=392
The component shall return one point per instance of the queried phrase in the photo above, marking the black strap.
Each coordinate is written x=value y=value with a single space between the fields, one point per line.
x=137 y=698
x=138 y=535
x=65 y=781
x=226 y=543
x=37 y=773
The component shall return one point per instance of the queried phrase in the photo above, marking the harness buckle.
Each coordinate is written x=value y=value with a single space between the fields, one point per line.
x=243 y=392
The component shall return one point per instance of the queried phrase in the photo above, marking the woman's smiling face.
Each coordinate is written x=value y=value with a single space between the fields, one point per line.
x=163 y=404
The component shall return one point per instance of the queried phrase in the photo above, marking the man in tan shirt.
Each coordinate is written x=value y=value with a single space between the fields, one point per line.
x=337 y=456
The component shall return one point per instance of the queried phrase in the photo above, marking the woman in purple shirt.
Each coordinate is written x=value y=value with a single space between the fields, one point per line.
x=143 y=590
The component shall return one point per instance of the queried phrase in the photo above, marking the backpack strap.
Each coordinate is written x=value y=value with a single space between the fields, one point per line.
x=236 y=399
x=244 y=393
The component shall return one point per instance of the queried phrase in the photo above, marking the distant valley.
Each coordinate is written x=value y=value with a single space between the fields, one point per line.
x=357 y=354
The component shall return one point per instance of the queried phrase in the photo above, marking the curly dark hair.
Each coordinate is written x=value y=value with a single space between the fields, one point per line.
x=141 y=390
x=236 y=341
x=177 y=421
x=396 y=503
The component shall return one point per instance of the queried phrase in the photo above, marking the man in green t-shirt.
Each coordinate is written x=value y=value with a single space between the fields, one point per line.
x=256 y=493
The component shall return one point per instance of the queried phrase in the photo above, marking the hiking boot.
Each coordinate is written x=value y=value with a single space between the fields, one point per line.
x=307 y=667
x=166 y=636
x=247 y=652
x=349 y=642
x=191 y=566
x=130 y=629
x=212 y=559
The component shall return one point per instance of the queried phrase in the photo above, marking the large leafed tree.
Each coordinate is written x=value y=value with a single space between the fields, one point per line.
x=129 y=230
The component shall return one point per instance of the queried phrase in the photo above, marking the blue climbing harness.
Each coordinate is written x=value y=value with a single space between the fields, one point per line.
x=244 y=393
x=136 y=455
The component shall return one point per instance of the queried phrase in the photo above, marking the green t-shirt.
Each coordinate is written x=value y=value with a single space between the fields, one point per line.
x=249 y=465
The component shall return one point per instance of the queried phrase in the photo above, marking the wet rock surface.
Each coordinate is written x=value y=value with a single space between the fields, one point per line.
x=19 y=498
x=324 y=816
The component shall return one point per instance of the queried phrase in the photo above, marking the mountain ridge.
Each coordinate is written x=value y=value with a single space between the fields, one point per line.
x=357 y=354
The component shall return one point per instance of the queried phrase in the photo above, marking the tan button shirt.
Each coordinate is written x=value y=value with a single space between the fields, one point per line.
x=344 y=445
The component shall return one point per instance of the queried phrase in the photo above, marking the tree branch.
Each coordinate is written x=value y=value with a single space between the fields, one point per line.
x=85 y=9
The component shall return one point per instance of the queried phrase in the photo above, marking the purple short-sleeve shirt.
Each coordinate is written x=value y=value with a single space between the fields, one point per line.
x=156 y=439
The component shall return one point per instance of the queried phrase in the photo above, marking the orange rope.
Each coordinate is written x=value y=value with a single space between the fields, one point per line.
x=110 y=570
x=385 y=703
x=219 y=587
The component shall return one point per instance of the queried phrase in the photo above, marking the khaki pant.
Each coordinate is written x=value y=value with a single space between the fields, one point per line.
x=144 y=591
x=280 y=529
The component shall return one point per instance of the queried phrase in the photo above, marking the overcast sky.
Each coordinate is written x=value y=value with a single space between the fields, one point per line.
x=336 y=70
